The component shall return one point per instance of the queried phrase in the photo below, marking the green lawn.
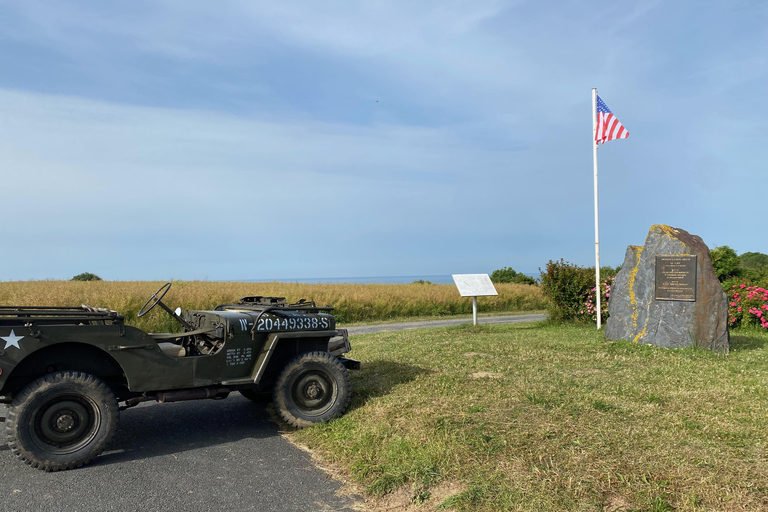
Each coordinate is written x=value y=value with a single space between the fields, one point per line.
x=541 y=417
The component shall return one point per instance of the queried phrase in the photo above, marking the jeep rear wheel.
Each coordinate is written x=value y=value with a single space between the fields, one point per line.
x=61 y=421
x=312 y=388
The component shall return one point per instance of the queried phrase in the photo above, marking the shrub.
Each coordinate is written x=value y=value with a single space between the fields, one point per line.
x=571 y=291
x=747 y=305
x=86 y=276
x=509 y=275
x=566 y=286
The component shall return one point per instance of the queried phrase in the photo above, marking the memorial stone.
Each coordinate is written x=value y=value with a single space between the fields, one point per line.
x=667 y=294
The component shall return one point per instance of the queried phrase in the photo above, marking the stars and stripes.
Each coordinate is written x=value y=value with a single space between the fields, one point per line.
x=608 y=127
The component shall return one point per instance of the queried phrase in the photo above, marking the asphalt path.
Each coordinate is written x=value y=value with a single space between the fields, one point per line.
x=406 y=326
x=205 y=455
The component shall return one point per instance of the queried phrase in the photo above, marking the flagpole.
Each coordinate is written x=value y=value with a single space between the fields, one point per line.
x=597 y=229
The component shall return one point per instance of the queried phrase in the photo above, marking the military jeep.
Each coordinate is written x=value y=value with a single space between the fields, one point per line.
x=65 y=370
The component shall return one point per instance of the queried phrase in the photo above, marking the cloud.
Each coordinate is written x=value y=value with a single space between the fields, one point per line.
x=89 y=172
x=437 y=129
x=455 y=56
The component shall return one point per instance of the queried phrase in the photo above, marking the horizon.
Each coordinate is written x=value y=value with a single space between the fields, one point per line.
x=305 y=280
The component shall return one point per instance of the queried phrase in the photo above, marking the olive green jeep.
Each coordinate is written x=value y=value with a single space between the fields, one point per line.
x=64 y=370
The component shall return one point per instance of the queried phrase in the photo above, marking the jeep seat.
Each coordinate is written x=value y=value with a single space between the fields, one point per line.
x=172 y=349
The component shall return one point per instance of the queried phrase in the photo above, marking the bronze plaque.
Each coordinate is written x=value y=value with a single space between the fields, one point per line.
x=676 y=278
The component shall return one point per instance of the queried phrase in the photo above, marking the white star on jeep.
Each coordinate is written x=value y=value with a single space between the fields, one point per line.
x=12 y=340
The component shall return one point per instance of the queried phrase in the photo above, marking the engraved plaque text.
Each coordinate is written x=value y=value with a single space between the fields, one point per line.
x=676 y=278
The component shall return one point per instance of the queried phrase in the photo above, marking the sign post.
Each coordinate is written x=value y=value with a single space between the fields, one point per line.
x=474 y=285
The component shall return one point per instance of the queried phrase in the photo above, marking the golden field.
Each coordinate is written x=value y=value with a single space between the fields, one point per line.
x=352 y=302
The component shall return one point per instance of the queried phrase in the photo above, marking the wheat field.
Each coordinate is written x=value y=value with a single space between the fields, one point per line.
x=352 y=302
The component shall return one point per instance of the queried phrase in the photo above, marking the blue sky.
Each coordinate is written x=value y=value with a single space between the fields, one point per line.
x=257 y=140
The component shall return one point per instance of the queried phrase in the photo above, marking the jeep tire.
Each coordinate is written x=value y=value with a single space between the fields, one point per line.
x=62 y=420
x=313 y=388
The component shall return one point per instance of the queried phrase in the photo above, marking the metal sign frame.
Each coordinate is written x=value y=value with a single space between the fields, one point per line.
x=474 y=285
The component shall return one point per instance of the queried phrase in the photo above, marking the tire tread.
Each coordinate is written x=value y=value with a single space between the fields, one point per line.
x=96 y=386
x=345 y=386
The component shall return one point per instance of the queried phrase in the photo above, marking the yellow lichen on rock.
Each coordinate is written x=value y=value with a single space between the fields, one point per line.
x=631 y=285
x=668 y=230
x=638 y=316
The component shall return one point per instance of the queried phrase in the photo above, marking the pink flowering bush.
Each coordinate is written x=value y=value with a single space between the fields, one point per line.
x=747 y=305
x=589 y=309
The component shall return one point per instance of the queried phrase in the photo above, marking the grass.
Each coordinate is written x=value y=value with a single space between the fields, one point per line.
x=510 y=417
x=551 y=418
x=354 y=303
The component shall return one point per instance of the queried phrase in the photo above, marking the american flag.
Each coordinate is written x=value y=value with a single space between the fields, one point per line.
x=608 y=127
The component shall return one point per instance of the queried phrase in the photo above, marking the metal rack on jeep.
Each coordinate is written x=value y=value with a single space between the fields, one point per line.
x=22 y=315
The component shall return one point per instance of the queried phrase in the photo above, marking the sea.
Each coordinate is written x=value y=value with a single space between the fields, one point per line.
x=437 y=279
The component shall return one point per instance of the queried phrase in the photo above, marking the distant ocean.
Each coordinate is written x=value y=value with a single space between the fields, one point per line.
x=441 y=279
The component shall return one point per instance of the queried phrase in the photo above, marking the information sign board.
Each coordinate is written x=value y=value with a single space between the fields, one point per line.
x=474 y=285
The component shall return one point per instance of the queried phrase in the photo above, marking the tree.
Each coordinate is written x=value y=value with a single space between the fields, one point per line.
x=726 y=263
x=509 y=275
x=754 y=260
x=86 y=276
x=754 y=266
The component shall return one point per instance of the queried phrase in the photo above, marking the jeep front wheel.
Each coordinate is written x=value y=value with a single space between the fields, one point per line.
x=61 y=421
x=312 y=388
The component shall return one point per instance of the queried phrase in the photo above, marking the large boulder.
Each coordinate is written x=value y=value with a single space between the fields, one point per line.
x=679 y=304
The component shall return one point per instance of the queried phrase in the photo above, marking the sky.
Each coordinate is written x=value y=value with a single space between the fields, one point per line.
x=246 y=139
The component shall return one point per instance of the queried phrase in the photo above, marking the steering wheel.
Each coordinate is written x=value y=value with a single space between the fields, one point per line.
x=154 y=300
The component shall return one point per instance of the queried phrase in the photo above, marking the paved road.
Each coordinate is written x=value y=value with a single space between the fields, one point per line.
x=202 y=455
x=405 y=326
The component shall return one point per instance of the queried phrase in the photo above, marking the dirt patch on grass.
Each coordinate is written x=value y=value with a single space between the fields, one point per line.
x=616 y=504
x=402 y=500
x=473 y=354
x=485 y=375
